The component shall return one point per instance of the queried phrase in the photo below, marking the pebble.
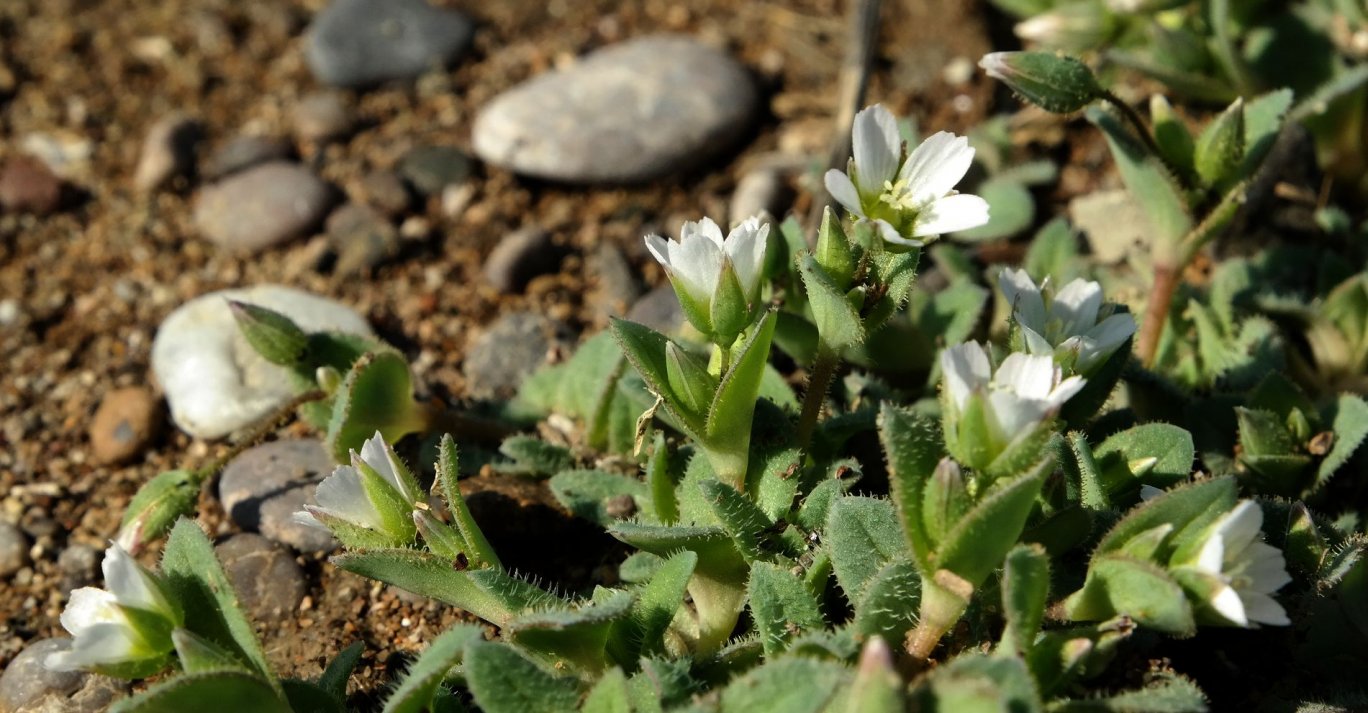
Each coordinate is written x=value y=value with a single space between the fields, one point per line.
x=243 y=152
x=385 y=191
x=28 y=186
x=762 y=192
x=262 y=206
x=268 y=583
x=1113 y=223
x=616 y=285
x=321 y=117
x=658 y=309
x=124 y=423
x=27 y=686
x=215 y=383
x=264 y=486
x=635 y=111
x=167 y=151
x=14 y=549
x=507 y=352
x=362 y=238
x=359 y=43
x=520 y=256
x=429 y=169
x=80 y=566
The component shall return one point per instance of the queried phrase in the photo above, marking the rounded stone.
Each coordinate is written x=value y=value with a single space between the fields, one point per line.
x=262 y=206
x=359 y=43
x=268 y=582
x=14 y=549
x=80 y=566
x=385 y=191
x=215 y=383
x=28 y=686
x=168 y=151
x=763 y=193
x=511 y=349
x=631 y=112
x=265 y=486
x=658 y=309
x=322 y=116
x=362 y=238
x=28 y=186
x=243 y=152
x=125 y=422
x=520 y=256
x=429 y=169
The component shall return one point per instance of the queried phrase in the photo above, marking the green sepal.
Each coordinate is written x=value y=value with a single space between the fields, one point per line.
x=838 y=321
x=197 y=654
x=1023 y=451
x=1118 y=585
x=158 y=504
x=781 y=607
x=440 y=538
x=894 y=275
x=1098 y=388
x=423 y=679
x=968 y=432
x=690 y=382
x=1220 y=148
x=833 y=252
x=354 y=536
x=731 y=311
x=377 y=395
x=209 y=691
x=1025 y=593
x=477 y=547
x=394 y=510
x=982 y=538
x=502 y=680
x=272 y=335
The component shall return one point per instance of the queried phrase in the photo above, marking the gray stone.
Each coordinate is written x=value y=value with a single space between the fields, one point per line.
x=27 y=686
x=322 y=117
x=507 y=352
x=658 y=309
x=763 y=192
x=429 y=169
x=636 y=111
x=385 y=191
x=262 y=206
x=168 y=151
x=268 y=582
x=520 y=256
x=215 y=383
x=265 y=486
x=124 y=423
x=244 y=152
x=616 y=285
x=14 y=549
x=362 y=238
x=79 y=565
x=1113 y=223
x=359 y=43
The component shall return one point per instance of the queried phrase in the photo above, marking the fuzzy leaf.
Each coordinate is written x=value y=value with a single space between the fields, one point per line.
x=377 y=395
x=658 y=602
x=913 y=447
x=533 y=456
x=838 y=322
x=646 y=349
x=1189 y=506
x=891 y=600
x=1054 y=253
x=1263 y=119
x=1349 y=422
x=576 y=636
x=1157 y=454
x=729 y=418
x=197 y=582
x=1025 y=592
x=477 y=547
x=609 y=695
x=862 y=536
x=504 y=681
x=421 y=682
x=586 y=493
x=785 y=685
x=980 y=541
x=974 y=683
x=781 y=607
x=1163 y=693
x=334 y=677
x=1118 y=585
x=745 y=523
x=208 y=692
x=1147 y=179
x=1220 y=148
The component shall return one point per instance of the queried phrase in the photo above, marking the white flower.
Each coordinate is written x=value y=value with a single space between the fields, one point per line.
x=1065 y=323
x=703 y=265
x=1025 y=391
x=1247 y=569
x=906 y=199
x=376 y=492
x=108 y=635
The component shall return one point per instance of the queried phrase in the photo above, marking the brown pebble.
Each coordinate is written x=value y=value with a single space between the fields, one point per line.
x=27 y=186
x=385 y=191
x=167 y=152
x=322 y=117
x=123 y=424
x=519 y=257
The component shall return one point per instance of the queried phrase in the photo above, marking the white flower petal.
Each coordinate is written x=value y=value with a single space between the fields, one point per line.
x=1021 y=292
x=660 y=249
x=1228 y=604
x=1066 y=390
x=697 y=263
x=843 y=191
x=951 y=214
x=934 y=167
x=876 y=147
x=1028 y=375
x=965 y=369
x=705 y=227
x=891 y=234
x=342 y=495
x=1265 y=567
x=87 y=607
x=100 y=644
x=745 y=246
x=130 y=584
x=1211 y=556
x=1263 y=609
x=1035 y=343
x=304 y=517
x=1014 y=415
x=1076 y=306
x=1240 y=526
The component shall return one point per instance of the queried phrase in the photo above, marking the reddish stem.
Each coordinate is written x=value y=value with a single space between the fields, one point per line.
x=1156 y=313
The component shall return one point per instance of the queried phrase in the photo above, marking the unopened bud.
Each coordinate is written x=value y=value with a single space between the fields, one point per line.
x=273 y=335
x=156 y=507
x=1055 y=83
x=833 y=251
x=1220 y=148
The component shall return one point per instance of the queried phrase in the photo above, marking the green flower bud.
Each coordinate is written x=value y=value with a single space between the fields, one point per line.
x=833 y=252
x=273 y=335
x=1220 y=149
x=159 y=503
x=1055 y=83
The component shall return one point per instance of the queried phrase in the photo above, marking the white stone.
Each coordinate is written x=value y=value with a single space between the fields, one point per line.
x=215 y=383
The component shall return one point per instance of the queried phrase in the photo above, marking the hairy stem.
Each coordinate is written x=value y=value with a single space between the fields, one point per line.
x=1133 y=118
x=823 y=368
x=1156 y=312
x=271 y=422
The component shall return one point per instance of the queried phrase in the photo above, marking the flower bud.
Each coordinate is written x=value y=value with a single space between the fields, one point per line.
x=1055 y=83
x=156 y=507
x=1220 y=148
x=1073 y=27
x=833 y=251
x=1171 y=135
x=945 y=500
x=273 y=335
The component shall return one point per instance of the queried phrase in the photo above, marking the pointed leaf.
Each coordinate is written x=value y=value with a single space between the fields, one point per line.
x=838 y=322
x=982 y=539
x=659 y=601
x=334 y=677
x=1146 y=179
x=587 y=493
x=890 y=603
x=729 y=419
x=1349 y=422
x=913 y=447
x=478 y=549
x=1157 y=454
x=209 y=692
x=862 y=536
x=780 y=606
x=577 y=636
x=1192 y=505
x=609 y=695
x=377 y=395
x=1025 y=592
x=785 y=685
x=745 y=523
x=421 y=682
x=504 y=681
x=1118 y=586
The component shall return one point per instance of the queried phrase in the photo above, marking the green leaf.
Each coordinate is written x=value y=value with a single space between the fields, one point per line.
x=609 y=695
x=587 y=493
x=1157 y=454
x=877 y=687
x=980 y=541
x=658 y=602
x=423 y=679
x=863 y=536
x=1147 y=179
x=1172 y=137
x=477 y=547
x=833 y=254
x=1276 y=463
x=1163 y=693
x=974 y=683
x=745 y=523
x=1190 y=506
x=208 y=692
x=486 y=593
x=308 y=696
x=504 y=681
x=1220 y=148
x=912 y=444
x=198 y=584
x=1263 y=119
x=334 y=677
x=272 y=335
x=661 y=481
x=780 y=606
x=1319 y=101
x=197 y=654
x=1011 y=210
x=1025 y=592
x=646 y=348
x=662 y=683
x=894 y=273
x=377 y=395
x=1118 y=585
x=577 y=637
x=785 y=685
x=1080 y=464
x=533 y=456
x=1349 y=422
x=812 y=514
x=1054 y=253
x=838 y=321
x=728 y=428
x=891 y=599
x=158 y=504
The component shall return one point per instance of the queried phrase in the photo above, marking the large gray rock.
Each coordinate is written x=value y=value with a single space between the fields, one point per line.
x=268 y=582
x=27 y=686
x=266 y=485
x=513 y=347
x=262 y=206
x=215 y=383
x=632 y=112
x=359 y=43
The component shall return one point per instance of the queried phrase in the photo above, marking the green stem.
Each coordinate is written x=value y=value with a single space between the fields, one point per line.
x=271 y=422
x=945 y=597
x=1133 y=118
x=718 y=603
x=823 y=368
